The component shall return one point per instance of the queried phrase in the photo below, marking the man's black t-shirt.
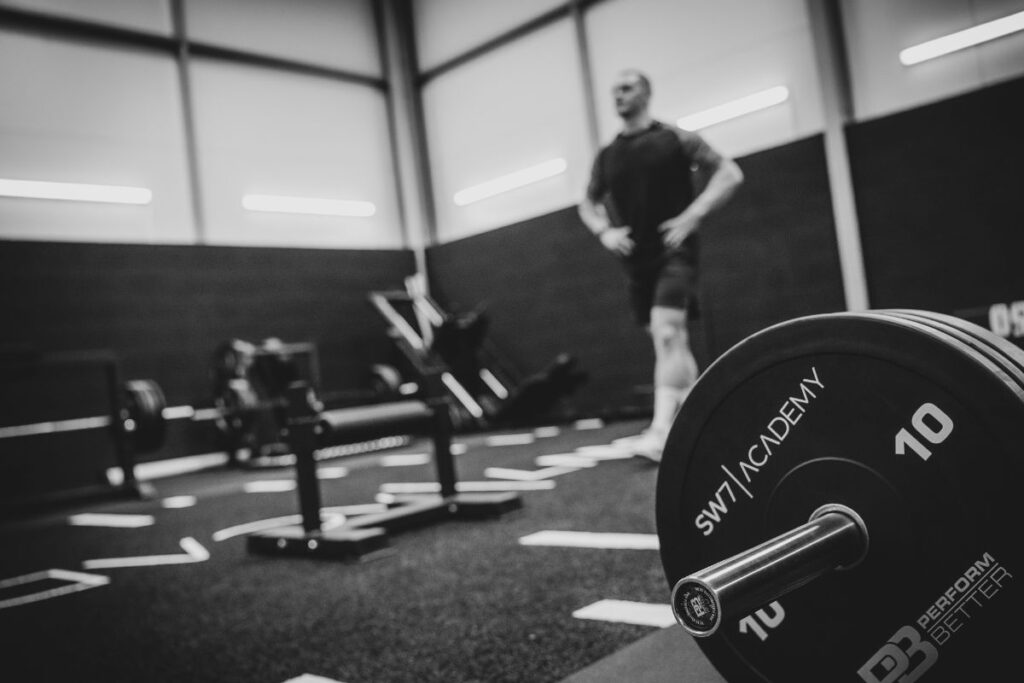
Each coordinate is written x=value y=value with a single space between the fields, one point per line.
x=643 y=179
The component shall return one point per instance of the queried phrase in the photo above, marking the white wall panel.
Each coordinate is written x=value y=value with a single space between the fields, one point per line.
x=701 y=54
x=876 y=31
x=332 y=33
x=266 y=132
x=146 y=15
x=446 y=28
x=508 y=110
x=89 y=114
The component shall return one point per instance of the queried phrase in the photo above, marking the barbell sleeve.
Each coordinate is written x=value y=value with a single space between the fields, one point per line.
x=835 y=537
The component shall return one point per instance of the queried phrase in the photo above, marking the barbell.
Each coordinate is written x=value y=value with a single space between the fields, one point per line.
x=837 y=501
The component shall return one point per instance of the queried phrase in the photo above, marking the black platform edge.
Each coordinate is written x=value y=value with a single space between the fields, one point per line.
x=369 y=533
x=341 y=543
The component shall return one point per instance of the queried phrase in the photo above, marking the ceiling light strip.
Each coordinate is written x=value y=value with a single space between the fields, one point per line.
x=77 y=192
x=982 y=33
x=511 y=181
x=735 y=108
x=315 y=206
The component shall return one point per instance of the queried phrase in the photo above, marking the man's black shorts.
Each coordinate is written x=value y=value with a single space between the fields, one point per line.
x=672 y=283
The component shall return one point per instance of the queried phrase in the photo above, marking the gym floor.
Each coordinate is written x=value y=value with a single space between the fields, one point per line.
x=163 y=589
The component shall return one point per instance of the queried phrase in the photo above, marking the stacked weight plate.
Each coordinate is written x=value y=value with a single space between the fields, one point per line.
x=912 y=420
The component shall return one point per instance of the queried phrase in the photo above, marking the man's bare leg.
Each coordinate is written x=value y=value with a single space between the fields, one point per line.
x=675 y=371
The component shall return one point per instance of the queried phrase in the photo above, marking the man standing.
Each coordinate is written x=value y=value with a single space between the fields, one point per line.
x=641 y=204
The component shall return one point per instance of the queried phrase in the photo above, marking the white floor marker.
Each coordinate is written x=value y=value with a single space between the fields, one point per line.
x=509 y=440
x=626 y=612
x=605 y=452
x=331 y=472
x=404 y=459
x=526 y=475
x=565 y=460
x=194 y=552
x=178 y=502
x=416 y=487
x=77 y=581
x=589 y=539
x=331 y=517
x=269 y=486
x=111 y=520
x=310 y=678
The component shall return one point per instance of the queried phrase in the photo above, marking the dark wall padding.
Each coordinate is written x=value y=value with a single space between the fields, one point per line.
x=771 y=253
x=940 y=201
x=549 y=286
x=163 y=309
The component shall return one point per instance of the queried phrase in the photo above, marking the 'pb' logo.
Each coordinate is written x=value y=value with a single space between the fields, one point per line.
x=904 y=658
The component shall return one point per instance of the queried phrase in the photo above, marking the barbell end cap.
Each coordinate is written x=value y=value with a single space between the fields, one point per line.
x=696 y=607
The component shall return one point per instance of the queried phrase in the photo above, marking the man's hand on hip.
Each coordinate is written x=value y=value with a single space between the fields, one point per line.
x=677 y=229
x=617 y=240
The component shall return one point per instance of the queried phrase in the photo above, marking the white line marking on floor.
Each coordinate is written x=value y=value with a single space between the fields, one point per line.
x=404 y=459
x=310 y=678
x=416 y=487
x=251 y=527
x=459 y=448
x=331 y=472
x=605 y=452
x=111 y=520
x=194 y=552
x=546 y=432
x=178 y=502
x=594 y=423
x=564 y=460
x=508 y=440
x=78 y=581
x=526 y=475
x=330 y=517
x=269 y=486
x=590 y=539
x=354 y=510
x=626 y=612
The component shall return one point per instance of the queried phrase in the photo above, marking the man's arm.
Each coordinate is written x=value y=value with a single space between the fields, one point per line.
x=725 y=179
x=595 y=216
x=614 y=238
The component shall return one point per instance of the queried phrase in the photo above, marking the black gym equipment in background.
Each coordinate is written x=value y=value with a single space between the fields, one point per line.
x=487 y=391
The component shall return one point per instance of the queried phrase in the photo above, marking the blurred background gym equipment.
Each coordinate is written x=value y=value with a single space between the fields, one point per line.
x=486 y=389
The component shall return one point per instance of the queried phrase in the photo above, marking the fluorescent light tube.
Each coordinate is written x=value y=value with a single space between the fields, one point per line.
x=77 y=192
x=735 y=108
x=308 y=205
x=962 y=39
x=511 y=181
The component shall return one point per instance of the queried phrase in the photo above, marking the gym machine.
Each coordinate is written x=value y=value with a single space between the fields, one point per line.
x=485 y=389
x=310 y=427
x=56 y=456
x=837 y=501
